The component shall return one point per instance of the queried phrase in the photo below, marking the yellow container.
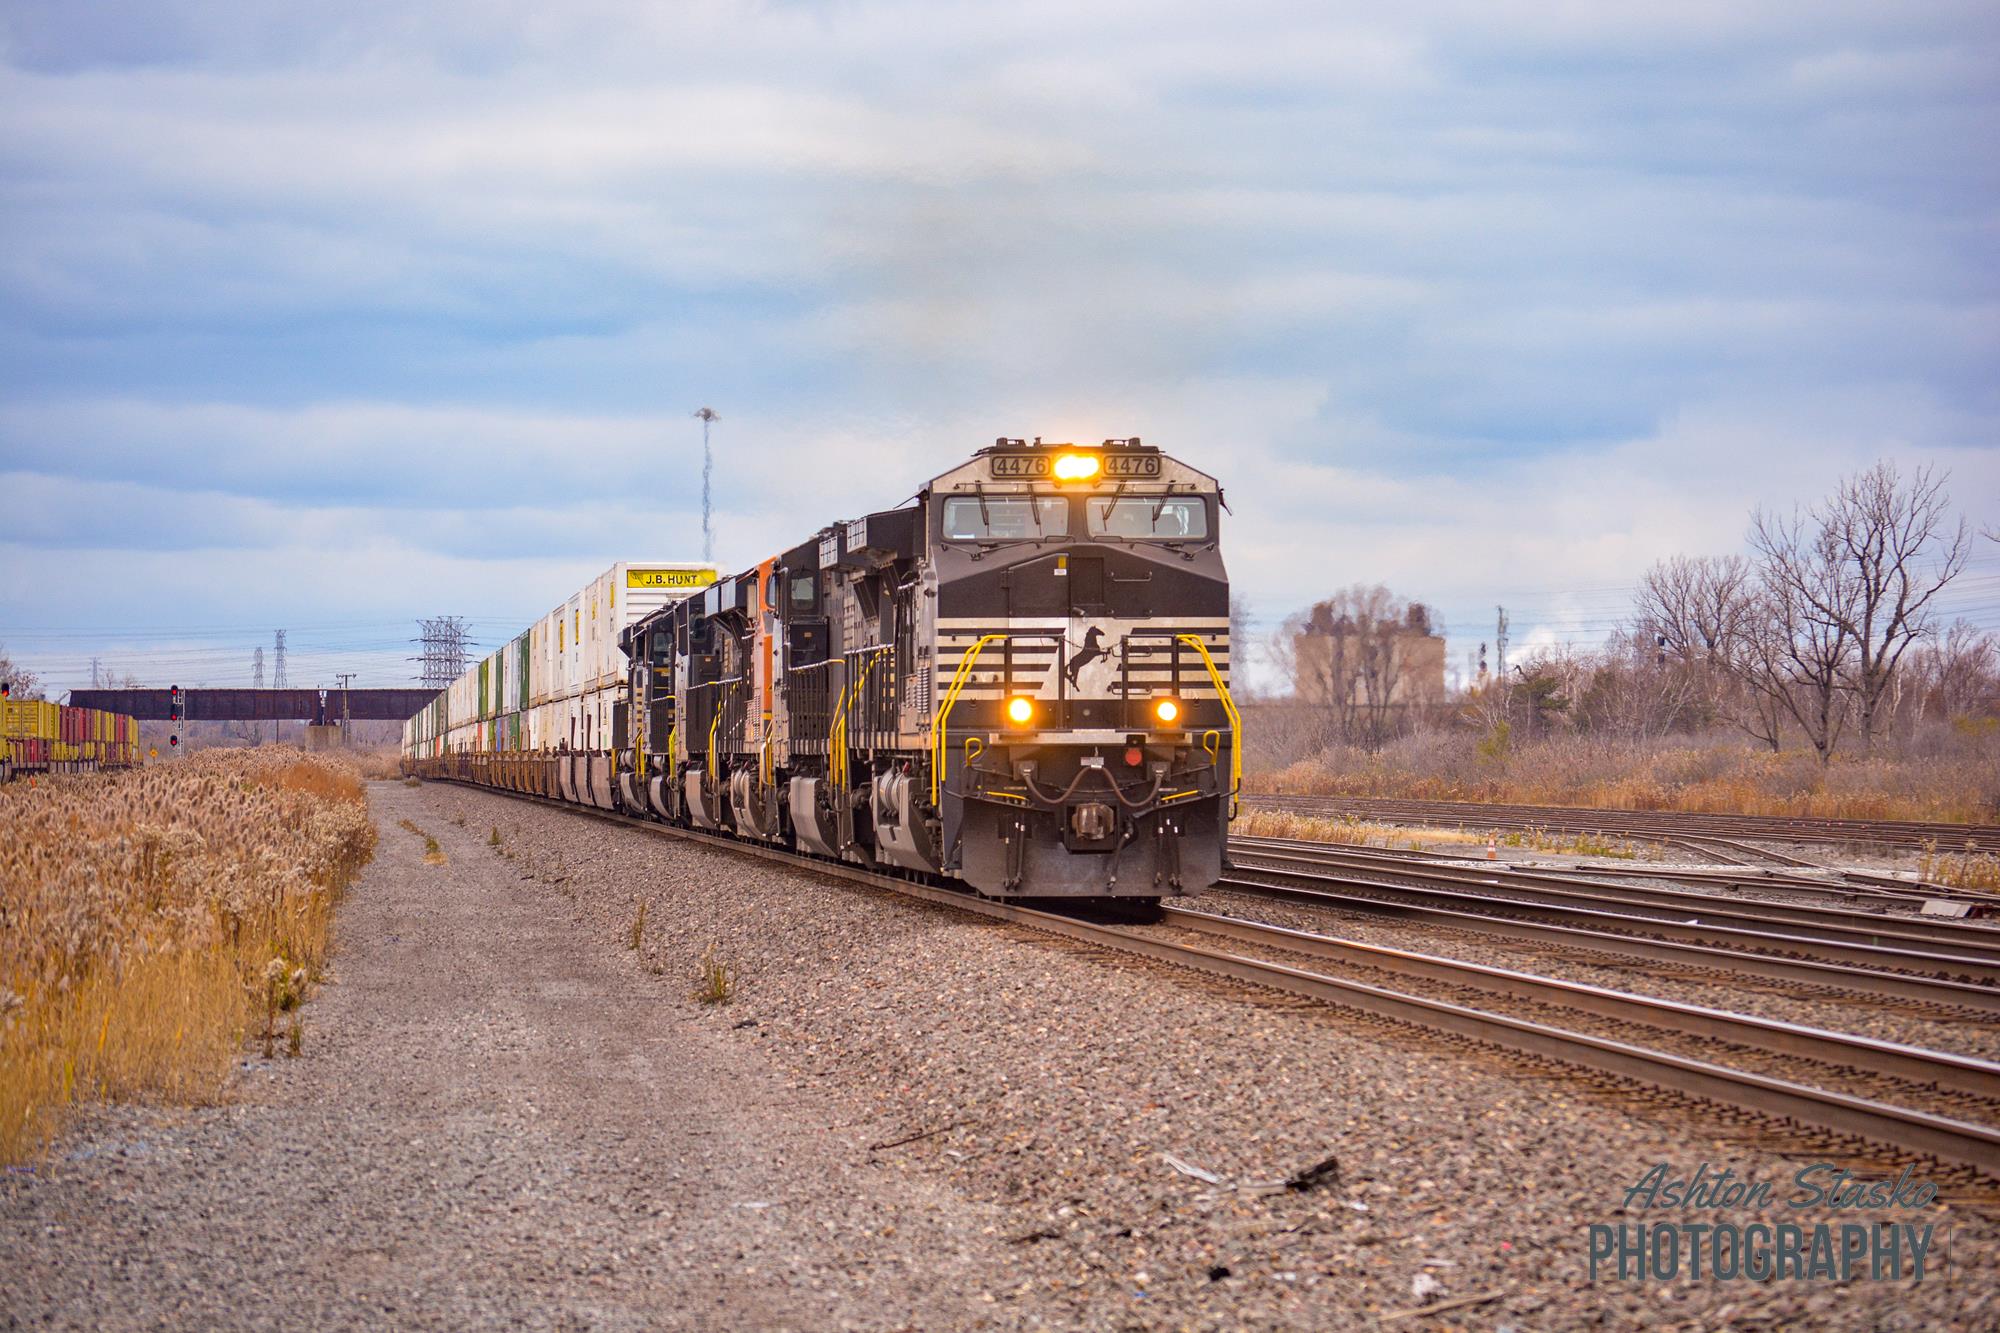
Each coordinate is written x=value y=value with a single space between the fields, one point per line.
x=31 y=719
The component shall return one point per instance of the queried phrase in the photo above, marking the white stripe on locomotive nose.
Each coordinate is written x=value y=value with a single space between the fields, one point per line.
x=1000 y=625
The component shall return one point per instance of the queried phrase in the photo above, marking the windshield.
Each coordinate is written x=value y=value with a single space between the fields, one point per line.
x=1005 y=518
x=1175 y=518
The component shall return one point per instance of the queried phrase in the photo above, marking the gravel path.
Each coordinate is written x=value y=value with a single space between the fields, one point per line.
x=1025 y=1095
x=497 y=1119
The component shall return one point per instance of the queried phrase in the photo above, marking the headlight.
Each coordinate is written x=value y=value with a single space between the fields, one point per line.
x=1167 y=710
x=1077 y=467
x=1020 y=710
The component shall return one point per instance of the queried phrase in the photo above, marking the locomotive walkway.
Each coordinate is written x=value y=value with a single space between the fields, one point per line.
x=497 y=1120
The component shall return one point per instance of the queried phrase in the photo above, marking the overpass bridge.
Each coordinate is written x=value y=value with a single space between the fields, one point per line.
x=320 y=708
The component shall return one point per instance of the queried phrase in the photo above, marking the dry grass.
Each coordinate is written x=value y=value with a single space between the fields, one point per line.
x=1961 y=786
x=433 y=853
x=1570 y=844
x=378 y=765
x=715 y=980
x=1353 y=832
x=636 y=935
x=1960 y=870
x=1345 y=831
x=142 y=916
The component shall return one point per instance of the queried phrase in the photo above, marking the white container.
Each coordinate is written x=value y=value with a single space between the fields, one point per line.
x=574 y=663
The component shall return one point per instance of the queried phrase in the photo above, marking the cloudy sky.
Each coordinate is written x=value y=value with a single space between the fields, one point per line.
x=330 y=317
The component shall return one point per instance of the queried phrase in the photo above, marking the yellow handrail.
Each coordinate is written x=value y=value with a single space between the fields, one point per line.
x=836 y=742
x=1235 y=719
x=837 y=734
x=714 y=762
x=958 y=679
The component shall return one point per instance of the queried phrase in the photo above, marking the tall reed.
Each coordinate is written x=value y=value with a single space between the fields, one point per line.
x=140 y=917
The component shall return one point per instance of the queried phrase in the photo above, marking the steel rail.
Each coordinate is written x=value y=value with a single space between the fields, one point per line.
x=1969 y=938
x=1960 y=1141
x=1579 y=910
x=1930 y=990
x=1945 y=1069
x=1776 y=828
x=1901 y=893
x=1851 y=885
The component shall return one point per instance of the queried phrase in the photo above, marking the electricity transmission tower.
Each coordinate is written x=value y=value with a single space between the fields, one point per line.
x=707 y=416
x=444 y=651
x=278 y=681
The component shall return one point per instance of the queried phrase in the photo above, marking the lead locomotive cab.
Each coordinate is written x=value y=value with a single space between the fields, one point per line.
x=1084 y=739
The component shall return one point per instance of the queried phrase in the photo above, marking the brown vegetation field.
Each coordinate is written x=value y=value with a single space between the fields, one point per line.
x=150 y=920
x=1956 y=782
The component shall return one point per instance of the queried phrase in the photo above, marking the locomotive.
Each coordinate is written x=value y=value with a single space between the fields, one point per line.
x=1018 y=682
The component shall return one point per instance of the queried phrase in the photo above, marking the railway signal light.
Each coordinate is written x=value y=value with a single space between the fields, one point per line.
x=173 y=741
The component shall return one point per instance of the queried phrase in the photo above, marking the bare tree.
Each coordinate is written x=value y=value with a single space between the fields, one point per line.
x=1900 y=549
x=1956 y=672
x=1366 y=655
x=1638 y=688
x=26 y=684
x=1698 y=605
x=1800 y=647
x=1696 y=612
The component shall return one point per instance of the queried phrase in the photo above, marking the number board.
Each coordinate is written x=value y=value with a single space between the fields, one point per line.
x=1131 y=465
x=1031 y=467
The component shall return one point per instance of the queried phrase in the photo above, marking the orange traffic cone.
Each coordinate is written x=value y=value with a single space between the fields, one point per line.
x=1493 y=847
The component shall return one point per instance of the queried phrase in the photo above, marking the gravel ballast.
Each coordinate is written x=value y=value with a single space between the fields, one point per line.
x=504 y=1113
x=1885 y=1018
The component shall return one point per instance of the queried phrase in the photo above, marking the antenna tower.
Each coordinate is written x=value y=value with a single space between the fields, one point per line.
x=707 y=416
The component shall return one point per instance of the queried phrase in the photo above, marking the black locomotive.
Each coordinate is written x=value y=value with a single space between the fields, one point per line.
x=1020 y=682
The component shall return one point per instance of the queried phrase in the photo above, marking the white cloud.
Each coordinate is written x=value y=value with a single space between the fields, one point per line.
x=1482 y=301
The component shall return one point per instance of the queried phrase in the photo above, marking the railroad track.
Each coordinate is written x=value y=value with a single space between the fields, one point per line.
x=1916 y=969
x=1921 y=1073
x=1969 y=1143
x=1946 y=998
x=1841 y=922
x=1717 y=830
x=1880 y=890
